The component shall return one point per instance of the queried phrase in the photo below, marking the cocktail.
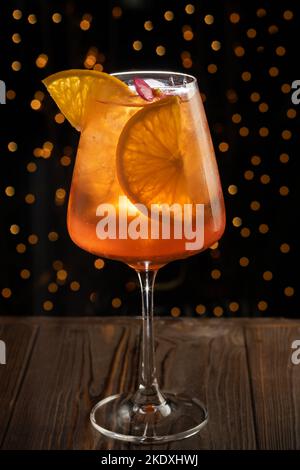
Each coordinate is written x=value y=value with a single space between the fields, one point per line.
x=145 y=191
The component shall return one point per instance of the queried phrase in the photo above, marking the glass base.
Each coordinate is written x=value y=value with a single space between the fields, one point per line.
x=178 y=417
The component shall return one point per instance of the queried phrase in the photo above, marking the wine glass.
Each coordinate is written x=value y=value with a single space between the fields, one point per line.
x=146 y=191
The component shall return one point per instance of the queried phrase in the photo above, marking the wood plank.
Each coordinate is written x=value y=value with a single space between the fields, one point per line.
x=19 y=339
x=74 y=364
x=275 y=384
x=208 y=361
x=69 y=370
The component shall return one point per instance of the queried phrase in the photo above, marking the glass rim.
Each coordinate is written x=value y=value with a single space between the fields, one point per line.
x=156 y=72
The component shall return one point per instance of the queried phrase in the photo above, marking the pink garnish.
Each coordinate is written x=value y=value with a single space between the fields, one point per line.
x=143 y=89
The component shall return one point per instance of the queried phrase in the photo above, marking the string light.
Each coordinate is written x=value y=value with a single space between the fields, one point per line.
x=254 y=176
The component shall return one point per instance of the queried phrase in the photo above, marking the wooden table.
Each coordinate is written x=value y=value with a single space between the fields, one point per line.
x=58 y=368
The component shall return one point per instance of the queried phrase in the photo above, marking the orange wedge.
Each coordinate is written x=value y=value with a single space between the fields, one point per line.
x=150 y=166
x=74 y=90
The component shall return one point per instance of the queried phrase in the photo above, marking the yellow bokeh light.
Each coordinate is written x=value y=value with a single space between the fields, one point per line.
x=255 y=160
x=61 y=274
x=116 y=12
x=289 y=291
x=263 y=228
x=262 y=305
x=255 y=96
x=284 y=191
x=175 y=312
x=10 y=191
x=280 y=51
x=234 y=18
x=35 y=105
x=17 y=14
x=263 y=107
x=216 y=45
x=263 y=131
x=148 y=25
x=48 y=305
x=267 y=275
x=41 y=61
x=75 y=286
x=30 y=198
x=16 y=38
x=273 y=71
x=116 y=302
x=288 y=15
x=215 y=274
x=236 y=221
x=273 y=29
x=14 y=229
x=6 y=293
x=285 y=248
x=32 y=19
x=218 y=311
x=286 y=88
x=25 y=274
x=236 y=118
x=286 y=134
x=65 y=160
x=232 y=189
x=160 y=50
x=234 y=306
x=251 y=33
x=255 y=205
x=200 y=309
x=21 y=248
x=188 y=35
x=239 y=51
x=56 y=17
x=33 y=239
x=284 y=158
x=85 y=25
x=223 y=147
x=99 y=263
x=244 y=131
x=246 y=76
x=244 y=261
x=248 y=175
x=16 y=66
x=10 y=94
x=168 y=15
x=291 y=113
x=189 y=9
x=57 y=265
x=265 y=179
x=12 y=146
x=53 y=236
x=187 y=63
x=209 y=19
x=52 y=287
x=261 y=12
x=212 y=68
x=137 y=45
x=59 y=118
x=245 y=232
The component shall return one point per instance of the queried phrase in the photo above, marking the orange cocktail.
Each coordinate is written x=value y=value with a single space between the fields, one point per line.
x=145 y=191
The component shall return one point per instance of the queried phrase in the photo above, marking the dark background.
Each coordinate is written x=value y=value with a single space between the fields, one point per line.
x=242 y=55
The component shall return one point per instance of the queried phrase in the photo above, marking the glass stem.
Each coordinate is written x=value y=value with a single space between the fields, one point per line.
x=148 y=394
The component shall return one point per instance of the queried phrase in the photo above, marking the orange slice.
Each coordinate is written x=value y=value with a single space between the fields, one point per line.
x=73 y=90
x=150 y=165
